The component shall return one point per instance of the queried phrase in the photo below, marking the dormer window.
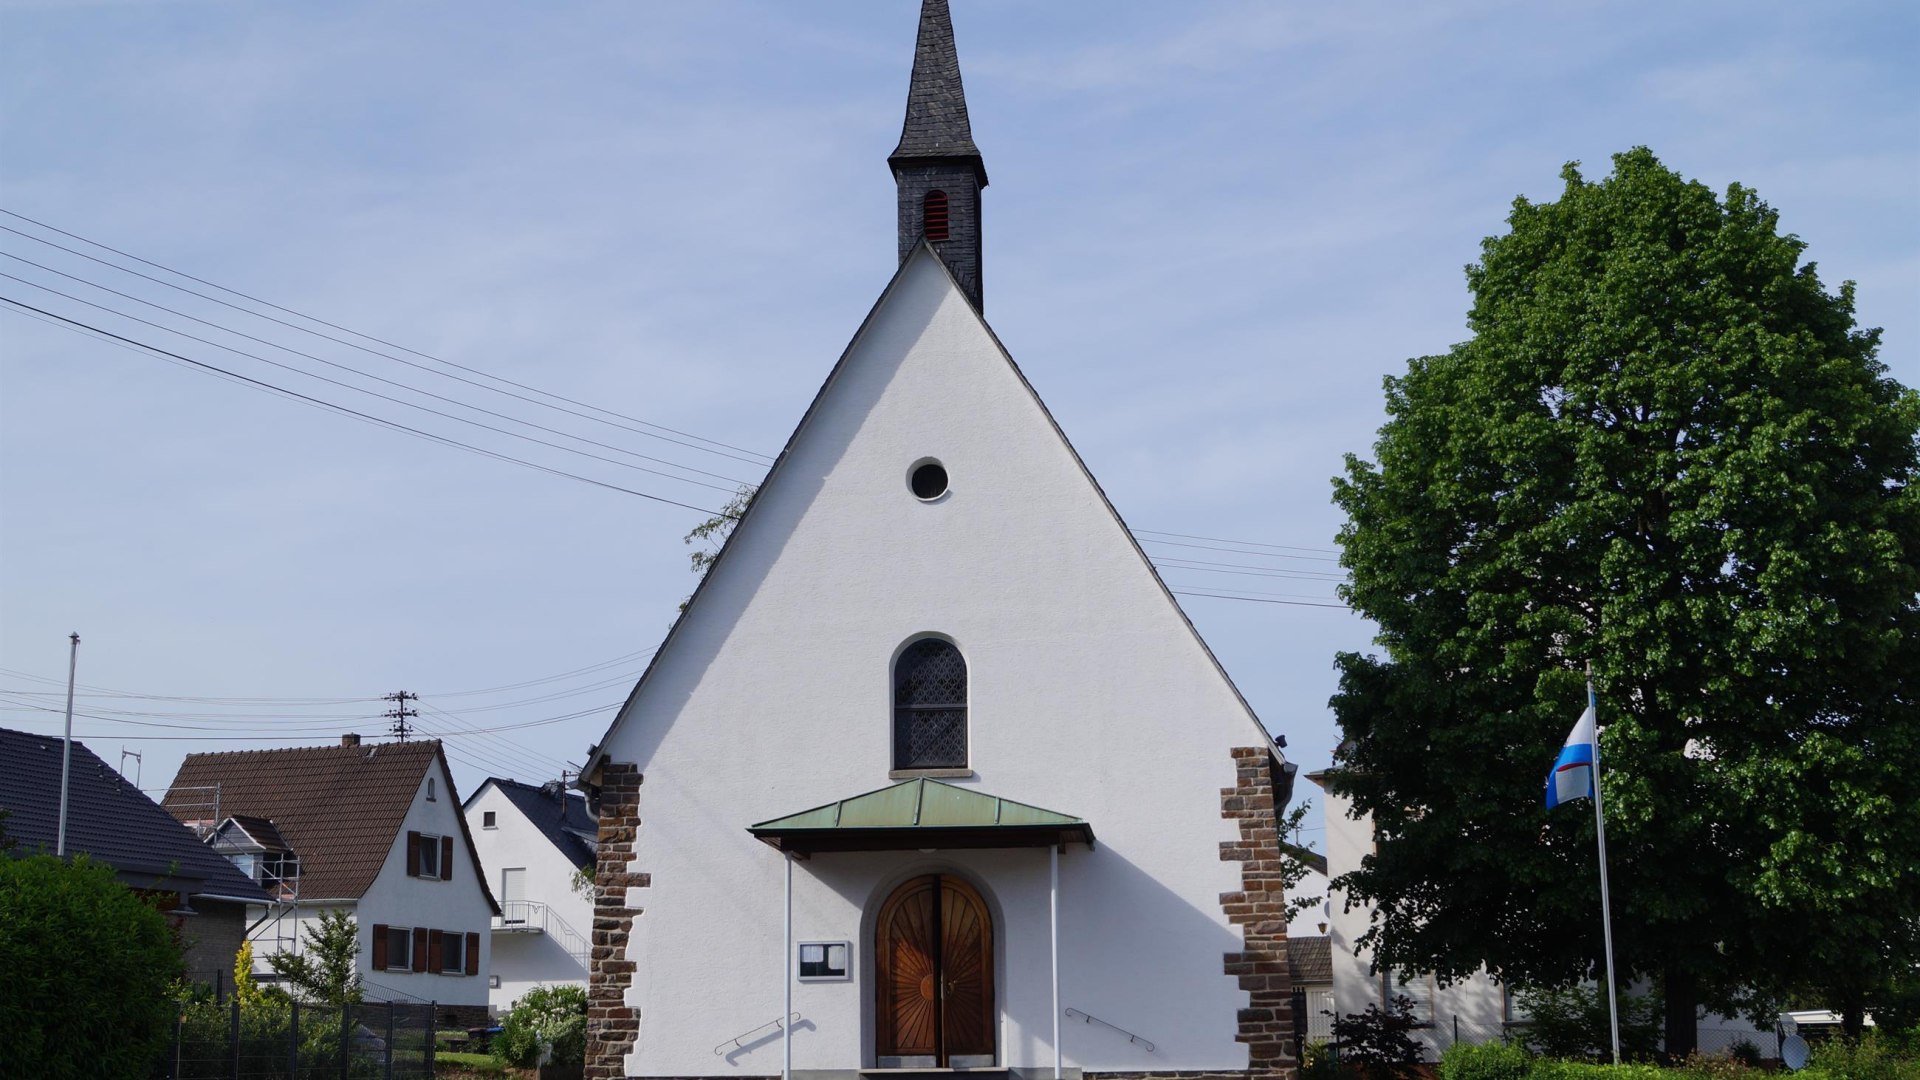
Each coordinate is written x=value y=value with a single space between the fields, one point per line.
x=933 y=215
x=930 y=707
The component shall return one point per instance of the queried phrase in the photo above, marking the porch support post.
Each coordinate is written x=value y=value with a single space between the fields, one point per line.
x=1053 y=944
x=786 y=1017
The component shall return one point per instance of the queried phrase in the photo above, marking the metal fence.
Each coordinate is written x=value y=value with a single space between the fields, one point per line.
x=289 y=1041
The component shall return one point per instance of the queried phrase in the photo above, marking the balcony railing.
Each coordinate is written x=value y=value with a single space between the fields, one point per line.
x=534 y=917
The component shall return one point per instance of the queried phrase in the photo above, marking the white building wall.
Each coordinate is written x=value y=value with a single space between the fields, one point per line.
x=457 y=904
x=1089 y=696
x=521 y=959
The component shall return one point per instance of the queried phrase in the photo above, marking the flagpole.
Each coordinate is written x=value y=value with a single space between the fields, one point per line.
x=1600 y=833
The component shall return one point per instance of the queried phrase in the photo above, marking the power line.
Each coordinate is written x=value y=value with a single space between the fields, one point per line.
x=388 y=397
x=1218 y=540
x=335 y=364
x=369 y=337
x=395 y=425
x=1256 y=599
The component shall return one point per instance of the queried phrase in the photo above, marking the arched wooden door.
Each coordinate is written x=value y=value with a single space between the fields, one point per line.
x=933 y=950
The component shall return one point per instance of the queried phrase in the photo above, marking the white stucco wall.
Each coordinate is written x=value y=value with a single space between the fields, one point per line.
x=457 y=904
x=523 y=960
x=1089 y=695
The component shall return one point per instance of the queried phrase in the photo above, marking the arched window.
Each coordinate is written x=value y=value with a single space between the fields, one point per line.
x=933 y=215
x=930 y=707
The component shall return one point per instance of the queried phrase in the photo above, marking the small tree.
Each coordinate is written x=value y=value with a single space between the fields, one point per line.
x=327 y=973
x=89 y=969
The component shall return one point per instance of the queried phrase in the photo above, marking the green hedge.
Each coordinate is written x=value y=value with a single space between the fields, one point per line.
x=1873 y=1058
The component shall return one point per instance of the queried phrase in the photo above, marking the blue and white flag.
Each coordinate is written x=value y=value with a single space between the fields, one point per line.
x=1572 y=775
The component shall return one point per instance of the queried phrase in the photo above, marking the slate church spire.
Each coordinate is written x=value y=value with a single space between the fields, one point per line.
x=938 y=169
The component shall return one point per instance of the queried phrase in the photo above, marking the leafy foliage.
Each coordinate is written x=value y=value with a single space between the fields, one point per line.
x=89 y=968
x=1665 y=449
x=550 y=1015
x=1572 y=1023
x=1485 y=1061
x=712 y=534
x=1294 y=867
x=1380 y=1039
x=326 y=973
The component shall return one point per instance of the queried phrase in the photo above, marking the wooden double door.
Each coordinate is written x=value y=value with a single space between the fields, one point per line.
x=933 y=952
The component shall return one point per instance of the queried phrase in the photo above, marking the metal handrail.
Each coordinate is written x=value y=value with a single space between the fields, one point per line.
x=734 y=1043
x=536 y=915
x=1131 y=1037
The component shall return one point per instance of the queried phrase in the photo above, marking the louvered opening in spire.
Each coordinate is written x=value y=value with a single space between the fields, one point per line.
x=933 y=215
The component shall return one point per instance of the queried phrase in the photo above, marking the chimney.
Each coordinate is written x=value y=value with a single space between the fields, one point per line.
x=349 y=739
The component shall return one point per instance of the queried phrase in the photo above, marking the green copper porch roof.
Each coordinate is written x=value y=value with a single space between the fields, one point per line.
x=922 y=813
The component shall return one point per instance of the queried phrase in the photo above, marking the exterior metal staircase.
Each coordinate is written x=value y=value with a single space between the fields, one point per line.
x=534 y=917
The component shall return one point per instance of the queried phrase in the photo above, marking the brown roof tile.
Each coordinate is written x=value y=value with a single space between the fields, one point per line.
x=339 y=807
x=1310 y=960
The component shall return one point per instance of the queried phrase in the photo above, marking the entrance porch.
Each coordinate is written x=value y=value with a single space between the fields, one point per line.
x=934 y=959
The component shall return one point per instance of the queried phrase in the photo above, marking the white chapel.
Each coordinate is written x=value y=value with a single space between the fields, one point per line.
x=933 y=774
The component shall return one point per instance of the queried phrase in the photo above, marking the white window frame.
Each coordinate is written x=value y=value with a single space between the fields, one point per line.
x=451 y=942
x=489 y=819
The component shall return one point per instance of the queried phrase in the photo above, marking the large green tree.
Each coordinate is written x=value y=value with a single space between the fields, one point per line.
x=1667 y=450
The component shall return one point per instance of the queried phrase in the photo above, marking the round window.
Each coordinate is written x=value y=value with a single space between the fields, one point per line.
x=928 y=480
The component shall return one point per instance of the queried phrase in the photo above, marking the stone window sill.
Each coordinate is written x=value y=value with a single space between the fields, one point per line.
x=932 y=774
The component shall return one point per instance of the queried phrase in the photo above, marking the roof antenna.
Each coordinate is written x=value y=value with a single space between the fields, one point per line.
x=138 y=764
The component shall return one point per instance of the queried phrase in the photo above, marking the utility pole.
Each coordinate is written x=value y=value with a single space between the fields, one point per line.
x=399 y=713
x=66 y=746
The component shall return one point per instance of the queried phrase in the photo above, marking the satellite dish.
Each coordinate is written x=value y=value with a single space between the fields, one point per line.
x=1793 y=1052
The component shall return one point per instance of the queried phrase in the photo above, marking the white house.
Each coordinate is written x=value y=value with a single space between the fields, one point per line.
x=933 y=772
x=374 y=830
x=533 y=840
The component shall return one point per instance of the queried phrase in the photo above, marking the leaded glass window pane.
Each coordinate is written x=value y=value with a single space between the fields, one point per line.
x=930 y=707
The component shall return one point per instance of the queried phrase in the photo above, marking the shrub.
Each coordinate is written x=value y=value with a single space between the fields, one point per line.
x=554 y=1015
x=1571 y=1023
x=1318 y=1063
x=1381 y=1040
x=1486 y=1061
x=89 y=968
x=1872 y=1057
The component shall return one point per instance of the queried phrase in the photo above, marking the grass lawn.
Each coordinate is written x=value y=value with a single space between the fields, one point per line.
x=452 y=1065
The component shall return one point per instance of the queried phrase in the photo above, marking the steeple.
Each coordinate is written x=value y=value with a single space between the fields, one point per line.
x=937 y=168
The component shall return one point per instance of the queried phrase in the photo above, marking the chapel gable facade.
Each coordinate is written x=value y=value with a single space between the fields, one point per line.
x=933 y=773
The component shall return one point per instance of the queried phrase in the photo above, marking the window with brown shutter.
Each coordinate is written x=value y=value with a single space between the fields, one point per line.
x=379 y=947
x=446 y=858
x=413 y=854
x=420 y=957
x=473 y=953
x=436 y=948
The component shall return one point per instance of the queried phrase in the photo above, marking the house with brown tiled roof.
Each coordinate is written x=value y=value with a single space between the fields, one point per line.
x=374 y=830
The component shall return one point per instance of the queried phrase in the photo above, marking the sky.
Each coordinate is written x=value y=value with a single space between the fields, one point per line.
x=1213 y=228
